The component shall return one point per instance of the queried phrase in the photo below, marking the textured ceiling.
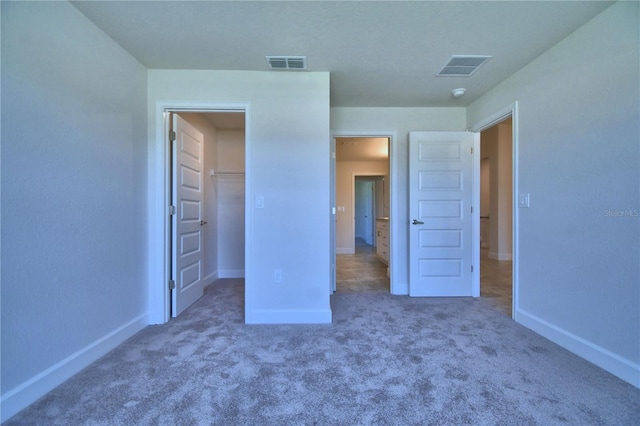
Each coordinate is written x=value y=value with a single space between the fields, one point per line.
x=379 y=53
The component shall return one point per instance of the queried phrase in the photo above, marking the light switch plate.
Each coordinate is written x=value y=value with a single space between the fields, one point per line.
x=523 y=200
x=259 y=202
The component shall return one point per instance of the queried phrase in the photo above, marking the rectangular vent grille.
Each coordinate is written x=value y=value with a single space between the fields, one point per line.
x=462 y=66
x=287 y=62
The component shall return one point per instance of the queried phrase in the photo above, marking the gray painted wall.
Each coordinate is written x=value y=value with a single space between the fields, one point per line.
x=73 y=189
x=578 y=157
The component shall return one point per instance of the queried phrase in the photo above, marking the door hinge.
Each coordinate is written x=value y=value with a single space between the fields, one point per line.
x=471 y=150
x=471 y=209
x=172 y=135
x=172 y=284
x=172 y=210
x=471 y=268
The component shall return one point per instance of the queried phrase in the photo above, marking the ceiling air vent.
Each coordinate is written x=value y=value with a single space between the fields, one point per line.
x=287 y=62
x=462 y=66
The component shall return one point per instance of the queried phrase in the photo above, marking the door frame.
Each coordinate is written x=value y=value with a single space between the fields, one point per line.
x=393 y=159
x=510 y=110
x=373 y=202
x=159 y=199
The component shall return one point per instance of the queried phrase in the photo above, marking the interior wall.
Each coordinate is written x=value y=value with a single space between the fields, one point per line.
x=73 y=197
x=398 y=121
x=485 y=197
x=345 y=171
x=289 y=168
x=578 y=155
x=231 y=207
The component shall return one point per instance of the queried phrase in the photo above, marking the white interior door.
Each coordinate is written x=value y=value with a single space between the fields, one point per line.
x=360 y=208
x=440 y=209
x=368 y=217
x=187 y=197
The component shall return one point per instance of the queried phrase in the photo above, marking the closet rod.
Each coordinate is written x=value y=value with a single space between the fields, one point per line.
x=213 y=173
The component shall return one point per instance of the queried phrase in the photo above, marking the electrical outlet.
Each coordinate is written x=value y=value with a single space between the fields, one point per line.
x=277 y=276
x=524 y=200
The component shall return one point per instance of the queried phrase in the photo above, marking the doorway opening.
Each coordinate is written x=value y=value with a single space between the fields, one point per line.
x=497 y=213
x=205 y=233
x=362 y=198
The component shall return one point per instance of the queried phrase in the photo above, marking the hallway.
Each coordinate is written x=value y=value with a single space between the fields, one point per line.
x=362 y=271
x=496 y=281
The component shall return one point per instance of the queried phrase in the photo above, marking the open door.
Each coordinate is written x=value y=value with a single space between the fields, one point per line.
x=440 y=209
x=363 y=208
x=187 y=222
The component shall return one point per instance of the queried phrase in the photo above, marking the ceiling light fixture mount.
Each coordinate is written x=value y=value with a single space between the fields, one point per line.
x=458 y=92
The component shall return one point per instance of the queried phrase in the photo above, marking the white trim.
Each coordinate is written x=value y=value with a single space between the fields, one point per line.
x=231 y=273
x=496 y=118
x=499 y=256
x=289 y=317
x=603 y=358
x=475 y=217
x=393 y=202
x=209 y=279
x=31 y=390
x=158 y=195
x=345 y=250
x=506 y=112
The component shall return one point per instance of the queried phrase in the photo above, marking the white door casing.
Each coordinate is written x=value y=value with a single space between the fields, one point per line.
x=440 y=213
x=187 y=197
x=333 y=217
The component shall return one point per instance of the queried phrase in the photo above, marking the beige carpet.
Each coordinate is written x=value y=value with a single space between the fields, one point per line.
x=385 y=360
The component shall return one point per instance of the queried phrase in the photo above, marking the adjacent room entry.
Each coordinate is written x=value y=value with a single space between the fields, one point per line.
x=207 y=202
x=496 y=214
x=361 y=192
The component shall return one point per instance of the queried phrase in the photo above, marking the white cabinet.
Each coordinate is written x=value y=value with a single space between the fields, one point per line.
x=382 y=239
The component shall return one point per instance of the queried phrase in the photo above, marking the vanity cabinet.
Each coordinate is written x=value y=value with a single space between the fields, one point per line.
x=382 y=239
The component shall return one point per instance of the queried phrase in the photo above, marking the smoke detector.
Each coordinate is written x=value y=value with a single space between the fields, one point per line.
x=287 y=62
x=458 y=92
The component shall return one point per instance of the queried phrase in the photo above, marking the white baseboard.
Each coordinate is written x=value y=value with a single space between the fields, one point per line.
x=30 y=391
x=288 y=317
x=231 y=273
x=500 y=256
x=603 y=358
x=345 y=250
x=209 y=279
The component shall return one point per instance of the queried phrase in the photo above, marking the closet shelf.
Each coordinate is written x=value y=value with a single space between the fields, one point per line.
x=213 y=173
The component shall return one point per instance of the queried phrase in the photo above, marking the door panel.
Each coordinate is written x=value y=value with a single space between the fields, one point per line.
x=187 y=196
x=440 y=233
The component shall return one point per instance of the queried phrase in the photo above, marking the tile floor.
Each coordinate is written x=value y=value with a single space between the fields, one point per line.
x=362 y=271
x=365 y=272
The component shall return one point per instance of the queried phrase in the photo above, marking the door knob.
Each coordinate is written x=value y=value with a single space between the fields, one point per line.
x=203 y=222
x=417 y=222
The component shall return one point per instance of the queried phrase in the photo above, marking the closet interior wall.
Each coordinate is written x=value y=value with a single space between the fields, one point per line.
x=223 y=180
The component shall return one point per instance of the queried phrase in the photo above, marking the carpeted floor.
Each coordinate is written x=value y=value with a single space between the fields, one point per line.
x=385 y=360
